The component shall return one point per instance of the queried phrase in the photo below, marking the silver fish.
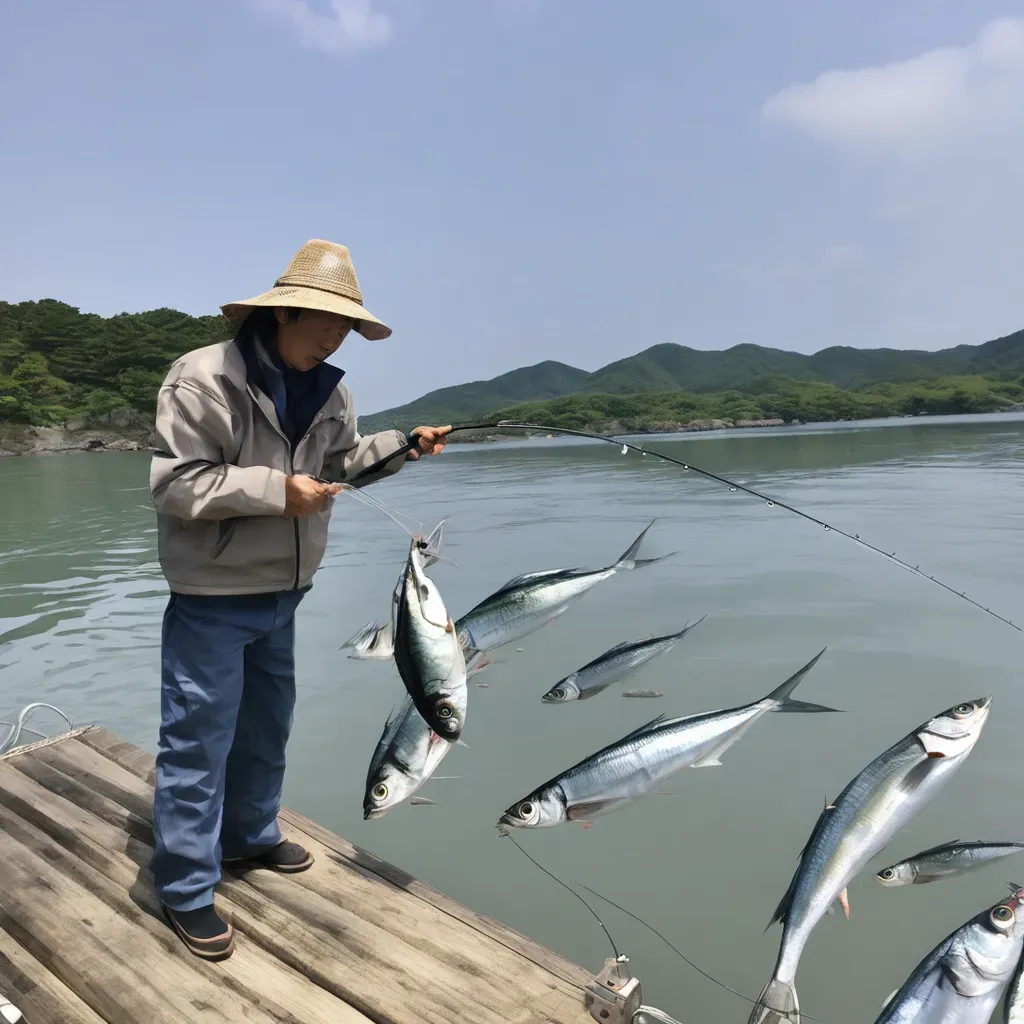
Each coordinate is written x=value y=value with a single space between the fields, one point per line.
x=613 y=666
x=876 y=804
x=1013 y=1005
x=639 y=762
x=407 y=754
x=527 y=602
x=427 y=650
x=944 y=861
x=962 y=979
x=377 y=643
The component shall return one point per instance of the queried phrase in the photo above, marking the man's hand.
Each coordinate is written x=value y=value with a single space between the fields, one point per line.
x=302 y=495
x=430 y=441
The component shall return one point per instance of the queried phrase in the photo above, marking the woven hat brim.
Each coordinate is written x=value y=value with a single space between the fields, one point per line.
x=310 y=298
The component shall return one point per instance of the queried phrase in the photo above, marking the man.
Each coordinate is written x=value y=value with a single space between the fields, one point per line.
x=253 y=437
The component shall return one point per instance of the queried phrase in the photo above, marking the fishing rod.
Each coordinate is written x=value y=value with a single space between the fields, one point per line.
x=412 y=441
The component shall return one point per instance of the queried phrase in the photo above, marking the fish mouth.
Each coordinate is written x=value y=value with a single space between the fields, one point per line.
x=982 y=702
x=507 y=820
x=372 y=813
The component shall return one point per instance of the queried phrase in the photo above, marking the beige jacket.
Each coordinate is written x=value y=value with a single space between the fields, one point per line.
x=217 y=478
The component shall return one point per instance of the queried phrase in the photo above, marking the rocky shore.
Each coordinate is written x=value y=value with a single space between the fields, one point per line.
x=60 y=440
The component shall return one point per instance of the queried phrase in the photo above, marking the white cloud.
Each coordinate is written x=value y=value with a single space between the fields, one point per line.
x=338 y=26
x=916 y=105
x=913 y=236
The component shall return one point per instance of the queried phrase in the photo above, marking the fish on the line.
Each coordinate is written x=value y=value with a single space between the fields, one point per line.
x=531 y=600
x=878 y=802
x=963 y=978
x=644 y=758
x=427 y=651
x=376 y=642
x=614 y=665
x=944 y=861
x=521 y=606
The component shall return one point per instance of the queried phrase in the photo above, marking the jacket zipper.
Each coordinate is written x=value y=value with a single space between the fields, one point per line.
x=295 y=524
x=291 y=464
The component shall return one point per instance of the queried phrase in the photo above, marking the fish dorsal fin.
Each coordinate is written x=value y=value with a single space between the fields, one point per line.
x=622 y=646
x=387 y=737
x=534 y=577
x=646 y=728
x=943 y=846
x=890 y=998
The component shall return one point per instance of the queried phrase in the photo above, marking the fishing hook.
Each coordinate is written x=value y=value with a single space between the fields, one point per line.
x=412 y=442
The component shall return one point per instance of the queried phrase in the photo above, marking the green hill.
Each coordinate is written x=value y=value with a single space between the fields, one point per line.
x=751 y=369
x=480 y=398
x=59 y=366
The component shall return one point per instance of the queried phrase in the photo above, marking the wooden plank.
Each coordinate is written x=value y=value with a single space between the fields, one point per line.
x=90 y=935
x=41 y=795
x=35 y=991
x=141 y=764
x=356 y=936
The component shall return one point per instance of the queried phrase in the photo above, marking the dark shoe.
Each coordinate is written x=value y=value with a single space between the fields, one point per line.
x=204 y=931
x=286 y=856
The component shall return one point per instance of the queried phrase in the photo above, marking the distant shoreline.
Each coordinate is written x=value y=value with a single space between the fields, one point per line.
x=21 y=441
x=17 y=440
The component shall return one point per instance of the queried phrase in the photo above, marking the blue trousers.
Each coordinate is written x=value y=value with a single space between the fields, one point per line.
x=226 y=705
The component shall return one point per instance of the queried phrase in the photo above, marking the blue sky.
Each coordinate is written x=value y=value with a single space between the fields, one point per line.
x=520 y=180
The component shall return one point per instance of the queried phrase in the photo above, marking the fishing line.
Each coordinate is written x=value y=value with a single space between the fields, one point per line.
x=505 y=834
x=720 y=984
x=375 y=503
x=731 y=484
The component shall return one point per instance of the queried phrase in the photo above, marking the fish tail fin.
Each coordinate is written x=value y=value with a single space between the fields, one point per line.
x=781 y=694
x=806 y=708
x=686 y=629
x=777 y=1004
x=433 y=544
x=361 y=636
x=640 y=563
x=627 y=560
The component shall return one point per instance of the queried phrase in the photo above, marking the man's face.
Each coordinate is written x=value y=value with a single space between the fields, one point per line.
x=308 y=341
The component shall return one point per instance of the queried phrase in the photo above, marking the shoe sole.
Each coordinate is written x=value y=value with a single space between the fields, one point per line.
x=188 y=941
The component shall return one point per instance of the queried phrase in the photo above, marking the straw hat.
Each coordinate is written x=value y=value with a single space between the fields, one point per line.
x=320 y=276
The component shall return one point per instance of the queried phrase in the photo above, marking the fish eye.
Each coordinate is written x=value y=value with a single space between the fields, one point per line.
x=1003 y=914
x=526 y=809
x=558 y=694
x=380 y=791
x=963 y=710
x=444 y=711
x=887 y=874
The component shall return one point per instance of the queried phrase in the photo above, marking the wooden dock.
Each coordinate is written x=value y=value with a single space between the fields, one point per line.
x=351 y=940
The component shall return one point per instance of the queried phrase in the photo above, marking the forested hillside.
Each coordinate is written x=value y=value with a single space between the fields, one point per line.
x=750 y=368
x=59 y=366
